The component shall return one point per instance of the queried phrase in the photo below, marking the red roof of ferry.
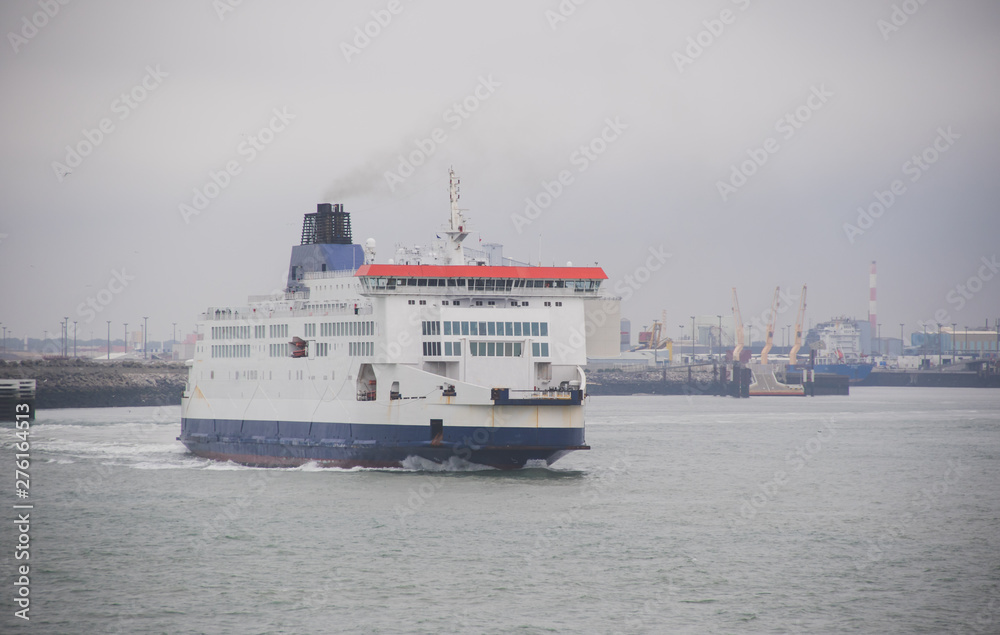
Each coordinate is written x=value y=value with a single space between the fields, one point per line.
x=472 y=271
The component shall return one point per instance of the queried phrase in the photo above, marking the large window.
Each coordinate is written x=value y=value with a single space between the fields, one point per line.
x=494 y=349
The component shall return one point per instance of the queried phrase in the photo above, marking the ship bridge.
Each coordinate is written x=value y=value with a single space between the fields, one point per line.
x=481 y=280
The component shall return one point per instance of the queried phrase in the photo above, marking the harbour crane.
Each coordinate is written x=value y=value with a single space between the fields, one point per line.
x=737 y=328
x=770 y=327
x=798 y=328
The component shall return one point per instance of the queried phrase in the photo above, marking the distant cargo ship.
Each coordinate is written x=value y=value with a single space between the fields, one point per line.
x=837 y=344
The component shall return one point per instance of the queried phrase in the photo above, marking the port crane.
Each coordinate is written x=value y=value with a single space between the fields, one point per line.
x=792 y=359
x=737 y=328
x=657 y=340
x=770 y=327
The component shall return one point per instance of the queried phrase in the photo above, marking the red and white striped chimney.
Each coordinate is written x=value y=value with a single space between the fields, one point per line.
x=872 y=320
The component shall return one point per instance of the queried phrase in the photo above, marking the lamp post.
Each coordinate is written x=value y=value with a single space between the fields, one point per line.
x=940 y=342
x=173 y=340
x=953 y=324
x=682 y=334
x=145 y=333
x=74 y=338
x=720 y=335
x=692 y=339
x=109 y=339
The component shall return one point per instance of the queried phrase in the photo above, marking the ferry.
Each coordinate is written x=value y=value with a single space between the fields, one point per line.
x=448 y=354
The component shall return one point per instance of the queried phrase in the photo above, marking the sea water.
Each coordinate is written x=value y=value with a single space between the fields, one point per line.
x=874 y=513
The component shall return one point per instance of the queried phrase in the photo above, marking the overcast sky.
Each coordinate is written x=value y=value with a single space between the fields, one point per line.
x=740 y=137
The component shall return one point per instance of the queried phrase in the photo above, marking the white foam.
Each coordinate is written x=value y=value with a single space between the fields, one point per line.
x=453 y=464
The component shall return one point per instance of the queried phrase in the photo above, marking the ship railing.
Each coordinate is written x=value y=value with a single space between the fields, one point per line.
x=228 y=313
x=552 y=396
x=254 y=314
x=515 y=293
x=279 y=297
x=320 y=311
x=269 y=297
x=551 y=393
x=320 y=275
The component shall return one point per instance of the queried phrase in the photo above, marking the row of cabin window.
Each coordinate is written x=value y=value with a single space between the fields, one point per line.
x=346 y=329
x=226 y=351
x=273 y=330
x=507 y=329
x=479 y=303
x=484 y=349
x=283 y=349
x=485 y=284
x=361 y=349
x=451 y=349
x=230 y=332
x=506 y=349
x=495 y=349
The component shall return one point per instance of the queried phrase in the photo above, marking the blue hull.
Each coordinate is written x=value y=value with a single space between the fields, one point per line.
x=855 y=372
x=292 y=443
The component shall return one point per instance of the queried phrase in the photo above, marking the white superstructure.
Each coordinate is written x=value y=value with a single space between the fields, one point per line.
x=359 y=362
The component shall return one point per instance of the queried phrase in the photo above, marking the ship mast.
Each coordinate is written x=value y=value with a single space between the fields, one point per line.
x=457 y=231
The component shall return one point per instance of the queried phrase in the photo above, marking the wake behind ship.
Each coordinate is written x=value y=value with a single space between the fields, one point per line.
x=447 y=353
